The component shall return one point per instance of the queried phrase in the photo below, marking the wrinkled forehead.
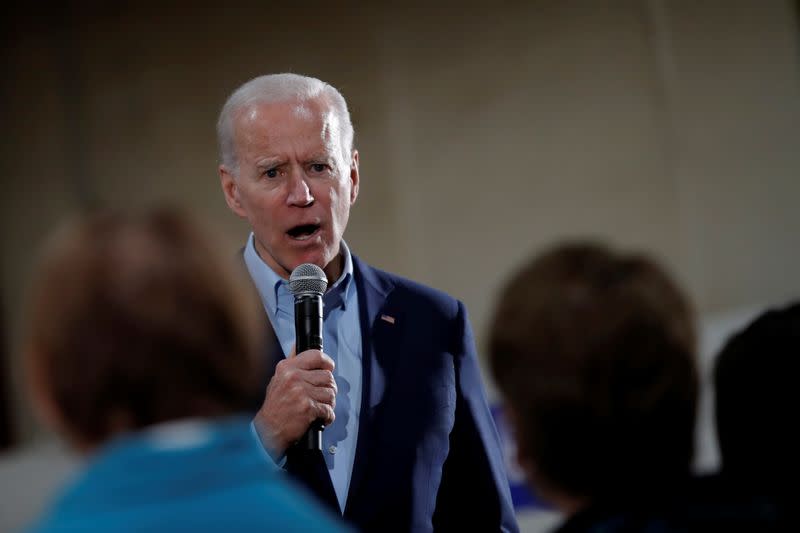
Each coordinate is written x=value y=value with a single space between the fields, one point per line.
x=292 y=118
x=322 y=113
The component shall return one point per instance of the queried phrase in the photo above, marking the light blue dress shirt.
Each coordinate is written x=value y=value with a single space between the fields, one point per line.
x=342 y=342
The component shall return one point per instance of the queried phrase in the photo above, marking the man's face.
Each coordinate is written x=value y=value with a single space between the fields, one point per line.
x=293 y=186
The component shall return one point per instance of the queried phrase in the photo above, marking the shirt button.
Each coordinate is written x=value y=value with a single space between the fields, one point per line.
x=331 y=449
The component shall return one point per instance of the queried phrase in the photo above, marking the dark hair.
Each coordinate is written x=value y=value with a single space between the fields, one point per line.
x=755 y=377
x=137 y=319
x=594 y=352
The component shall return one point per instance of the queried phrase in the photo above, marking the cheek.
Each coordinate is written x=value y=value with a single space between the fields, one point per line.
x=341 y=193
x=340 y=204
x=259 y=202
x=262 y=211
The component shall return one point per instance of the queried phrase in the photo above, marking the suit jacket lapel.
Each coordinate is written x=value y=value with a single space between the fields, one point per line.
x=373 y=291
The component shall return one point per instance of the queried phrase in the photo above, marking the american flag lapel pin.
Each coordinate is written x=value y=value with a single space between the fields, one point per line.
x=387 y=318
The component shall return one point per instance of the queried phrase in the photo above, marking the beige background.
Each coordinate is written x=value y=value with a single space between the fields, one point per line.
x=486 y=132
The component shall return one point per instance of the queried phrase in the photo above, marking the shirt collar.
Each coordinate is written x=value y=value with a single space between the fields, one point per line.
x=339 y=293
x=272 y=288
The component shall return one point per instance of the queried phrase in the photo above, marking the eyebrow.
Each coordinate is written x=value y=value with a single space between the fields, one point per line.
x=270 y=162
x=321 y=156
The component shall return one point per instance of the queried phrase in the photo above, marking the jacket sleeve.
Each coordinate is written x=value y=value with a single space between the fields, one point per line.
x=474 y=491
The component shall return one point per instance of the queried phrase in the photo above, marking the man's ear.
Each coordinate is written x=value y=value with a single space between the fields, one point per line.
x=231 y=191
x=354 y=177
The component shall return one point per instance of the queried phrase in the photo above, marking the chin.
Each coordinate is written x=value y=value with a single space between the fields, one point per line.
x=318 y=253
x=318 y=259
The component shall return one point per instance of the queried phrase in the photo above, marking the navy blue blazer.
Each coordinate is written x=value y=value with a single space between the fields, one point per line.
x=428 y=455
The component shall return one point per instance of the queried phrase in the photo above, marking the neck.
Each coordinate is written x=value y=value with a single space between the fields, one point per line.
x=333 y=270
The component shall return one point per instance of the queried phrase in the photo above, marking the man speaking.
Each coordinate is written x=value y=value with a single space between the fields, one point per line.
x=409 y=443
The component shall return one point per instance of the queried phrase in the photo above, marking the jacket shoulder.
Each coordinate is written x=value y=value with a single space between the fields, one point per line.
x=409 y=290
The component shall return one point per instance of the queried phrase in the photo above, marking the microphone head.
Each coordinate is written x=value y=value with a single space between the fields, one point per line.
x=308 y=279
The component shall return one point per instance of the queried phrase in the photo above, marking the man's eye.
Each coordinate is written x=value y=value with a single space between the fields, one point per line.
x=319 y=167
x=271 y=173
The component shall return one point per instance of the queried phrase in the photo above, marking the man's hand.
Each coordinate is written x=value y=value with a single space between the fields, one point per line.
x=301 y=391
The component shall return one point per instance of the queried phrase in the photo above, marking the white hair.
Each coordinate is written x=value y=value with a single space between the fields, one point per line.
x=279 y=88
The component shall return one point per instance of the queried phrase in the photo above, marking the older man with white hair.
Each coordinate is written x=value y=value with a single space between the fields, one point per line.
x=409 y=443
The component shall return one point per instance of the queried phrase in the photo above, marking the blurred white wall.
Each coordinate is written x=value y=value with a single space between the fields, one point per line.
x=30 y=478
x=486 y=132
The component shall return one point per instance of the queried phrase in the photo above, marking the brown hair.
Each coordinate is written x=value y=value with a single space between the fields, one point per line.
x=594 y=352
x=137 y=319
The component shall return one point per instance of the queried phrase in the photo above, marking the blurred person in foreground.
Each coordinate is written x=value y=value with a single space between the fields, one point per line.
x=409 y=443
x=142 y=350
x=594 y=352
x=755 y=380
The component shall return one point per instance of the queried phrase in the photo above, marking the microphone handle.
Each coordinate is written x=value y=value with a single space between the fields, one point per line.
x=308 y=336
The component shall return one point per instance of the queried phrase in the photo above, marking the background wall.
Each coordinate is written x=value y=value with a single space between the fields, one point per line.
x=486 y=132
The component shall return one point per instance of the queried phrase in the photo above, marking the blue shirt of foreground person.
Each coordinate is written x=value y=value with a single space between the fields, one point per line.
x=399 y=389
x=184 y=476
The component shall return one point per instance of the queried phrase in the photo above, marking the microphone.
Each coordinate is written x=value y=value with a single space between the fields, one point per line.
x=308 y=283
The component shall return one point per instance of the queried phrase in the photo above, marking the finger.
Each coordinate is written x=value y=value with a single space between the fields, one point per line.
x=293 y=352
x=321 y=378
x=315 y=360
x=314 y=410
x=325 y=413
x=284 y=370
x=323 y=395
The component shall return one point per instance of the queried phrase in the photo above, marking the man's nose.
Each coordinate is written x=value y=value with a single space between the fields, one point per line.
x=299 y=191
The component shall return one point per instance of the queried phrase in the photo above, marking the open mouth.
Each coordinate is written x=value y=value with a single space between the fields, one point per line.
x=303 y=232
